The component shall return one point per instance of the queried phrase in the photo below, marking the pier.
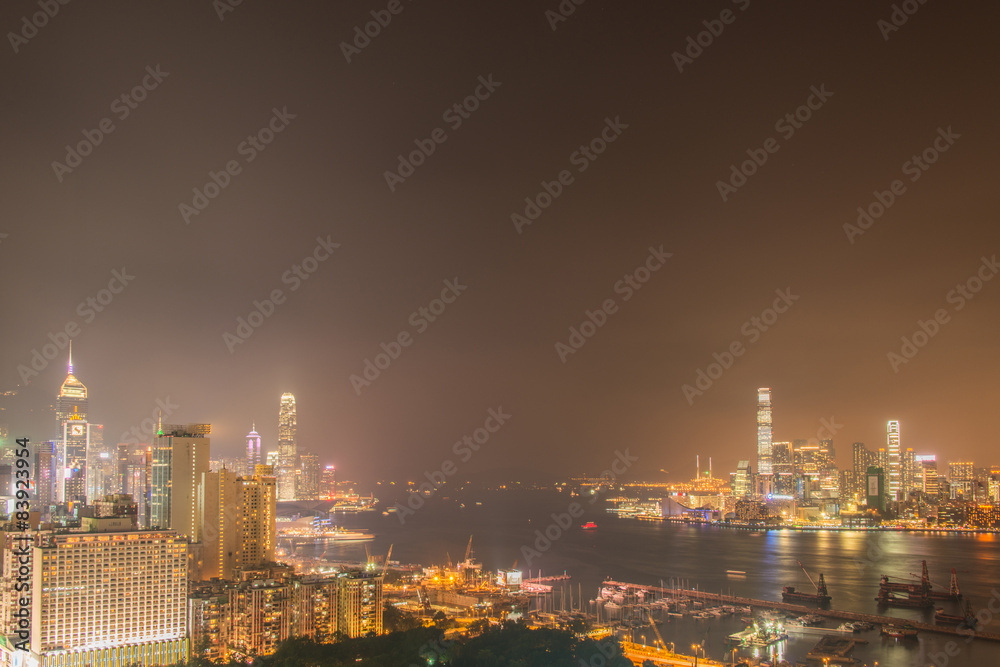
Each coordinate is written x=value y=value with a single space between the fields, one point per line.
x=801 y=609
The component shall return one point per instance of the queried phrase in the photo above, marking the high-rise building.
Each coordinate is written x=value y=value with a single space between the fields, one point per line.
x=287 y=447
x=875 y=488
x=101 y=465
x=308 y=488
x=895 y=482
x=73 y=436
x=960 y=478
x=764 y=464
x=928 y=478
x=45 y=474
x=359 y=603
x=743 y=480
x=253 y=449
x=862 y=459
x=180 y=457
x=328 y=483
x=109 y=599
x=907 y=472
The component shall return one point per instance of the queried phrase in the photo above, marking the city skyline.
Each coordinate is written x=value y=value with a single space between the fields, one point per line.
x=287 y=424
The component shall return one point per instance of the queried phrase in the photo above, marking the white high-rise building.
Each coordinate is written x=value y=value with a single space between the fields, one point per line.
x=895 y=477
x=109 y=599
x=764 y=463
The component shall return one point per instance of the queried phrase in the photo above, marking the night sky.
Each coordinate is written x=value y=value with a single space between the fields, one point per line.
x=880 y=95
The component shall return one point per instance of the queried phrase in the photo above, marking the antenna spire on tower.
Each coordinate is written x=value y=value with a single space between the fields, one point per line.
x=159 y=422
x=70 y=365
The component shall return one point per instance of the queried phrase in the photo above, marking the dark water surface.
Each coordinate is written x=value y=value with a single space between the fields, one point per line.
x=647 y=552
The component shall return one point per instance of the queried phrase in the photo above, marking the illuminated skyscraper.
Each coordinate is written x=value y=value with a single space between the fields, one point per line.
x=764 y=466
x=180 y=456
x=308 y=485
x=927 y=465
x=253 y=450
x=895 y=480
x=72 y=433
x=237 y=524
x=287 y=448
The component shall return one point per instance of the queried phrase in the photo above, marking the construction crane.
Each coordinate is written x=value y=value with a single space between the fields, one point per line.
x=385 y=563
x=468 y=550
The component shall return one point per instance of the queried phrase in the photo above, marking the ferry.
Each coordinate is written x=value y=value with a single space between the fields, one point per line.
x=590 y=525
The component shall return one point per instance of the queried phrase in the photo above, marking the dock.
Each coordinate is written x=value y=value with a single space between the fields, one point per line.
x=801 y=609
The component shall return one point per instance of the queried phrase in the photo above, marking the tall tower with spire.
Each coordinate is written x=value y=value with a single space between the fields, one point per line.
x=253 y=449
x=73 y=436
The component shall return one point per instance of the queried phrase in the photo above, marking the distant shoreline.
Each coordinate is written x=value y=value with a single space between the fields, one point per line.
x=845 y=529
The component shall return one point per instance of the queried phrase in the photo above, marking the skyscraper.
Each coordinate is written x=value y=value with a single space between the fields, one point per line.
x=253 y=449
x=180 y=456
x=308 y=487
x=72 y=434
x=863 y=458
x=895 y=480
x=287 y=447
x=764 y=467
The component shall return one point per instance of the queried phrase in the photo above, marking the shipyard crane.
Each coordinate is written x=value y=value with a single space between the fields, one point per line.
x=385 y=564
x=468 y=550
x=807 y=575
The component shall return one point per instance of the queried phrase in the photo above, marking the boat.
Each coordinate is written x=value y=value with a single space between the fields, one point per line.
x=590 y=525
x=737 y=572
x=821 y=596
x=966 y=620
x=899 y=631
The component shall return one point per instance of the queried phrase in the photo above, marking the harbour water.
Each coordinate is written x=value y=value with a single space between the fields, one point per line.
x=504 y=528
